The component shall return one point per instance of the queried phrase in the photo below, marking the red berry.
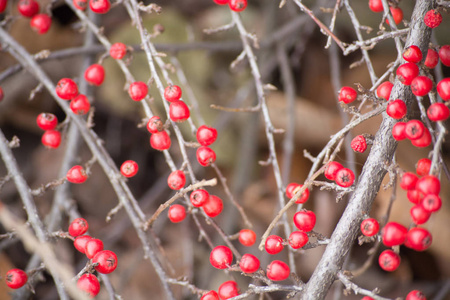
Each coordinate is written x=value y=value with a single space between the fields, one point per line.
x=107 y=261
x=80 y=242
x=155 y=124
x=89 y=284
x=370 y=227
x=424 y=140
x=247 y=237
x=138 y=90
x=213 y=206
x=438 y=112
x=432 y=18
x=414 y=129
x=359 y=144
x=384 y=90
x=278 y=270
x=396 y=109
x=221 y=2
x=443 y=89
x=298 y=239
x=305 y=220
x=160 y=141
x=206 y=135
x=80 y=4
x=41 y=23
x=415 y=295
x=293 y=188
x=129 y=168
x=118 y=50
x=249 y=263
x=432 y=59
x=345 y=177
x=428 y=184
x=398 y=131
x=237 y=5
x=100 y=6
x=423 y=166
x=431 y=203
x=205 y=156
x=1 y=94
x=414 y=196
x=211 y=295
x=95 y=74
x=78 y=227
x=66 y=89
x=418 y=239
x=199 y=197
x=80 y=105
x=367 y=298
x=176 y=180
x=179 y=111
x=347 y=94
x=419 y=215
x=389 y=260
x=51 y=139
x=444 y=55
x=28 y=8
x=412 y=54
x=221 y=257
x=421 y=85
x=46 y=121
x=408 y=181
x=172 y=93
x=407 y=72
x=76 y=174
x=93 y=246
x=3 y=4
x=16 y=278
x=176 y=213
x=228 y=289
x=274 y=244
x=376 y=5
x=397 y=15
x=331 y=170
x=393 y=234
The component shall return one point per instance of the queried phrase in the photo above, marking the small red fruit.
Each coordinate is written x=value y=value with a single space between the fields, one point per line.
x=160 y=141
x=384 y=90
x=397 y=15
x=3 y=4
x=76 y=174
x=278 y=270
x=228 y=289
x=347 y=94
x=211 y=295
x=51 y=139
x=428 y=184
x=359 y=144
x=221 y=257
x=396 y=109
x=199 y=197
x=305 y=220
x=419 y=215
x=28 y=8
x=155 y=124
x=138 y=90
x=89 y=284
x=407 y=72
x=66 y=89
x=423 y=166
x=433 y=18
x=389 y=260
x=414 y=196
x=100 y=6
x=176 y=213
x=412 y=54
x=46 y=121
x=172 y=93
x=415 y=295
x=107 y=261
x=78 y=227
x=206 y=135
x=93 y=246
x=179 y=111
x=298 y=239
x=345 y=177
x=205 y=156
x=95 y=74
x=247 y=237
x=80 y=4
x=237 y=5
x=16 y=278
x=176 y=180
x=393 y=234
x=431 y=203
x=221 y=2
x=421 y=85
x=424 y=140
x=41 y=23
x=80 y=105
x=370 y=227
x=438 y=112
x=418 y=239
x=80 y=242
x=414 y=129
x=408 y=181
x=376 y=5
x=213 y=206
x=129 y=168
x=118 y=50
x=331 y=170
x=274 y=244
x=443 y=89
x=432 y=59
x=293 y=188
x=444 y=55
x=398 y=131
x=249 y=263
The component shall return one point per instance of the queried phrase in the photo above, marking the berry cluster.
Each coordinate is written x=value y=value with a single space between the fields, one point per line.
x=342 y=176
x=39 y=22
x=377 y=6
x=235 y=5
